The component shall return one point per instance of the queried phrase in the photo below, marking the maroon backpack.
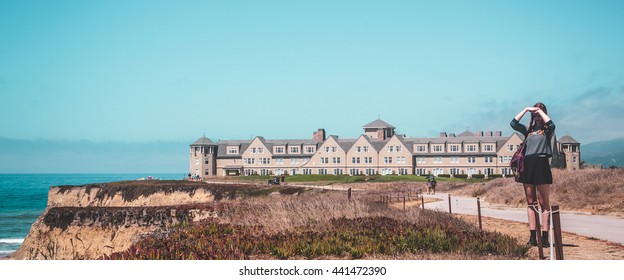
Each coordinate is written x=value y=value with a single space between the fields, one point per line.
x=517 y=161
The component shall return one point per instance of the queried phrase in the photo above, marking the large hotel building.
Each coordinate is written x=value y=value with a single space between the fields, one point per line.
x=378 y=151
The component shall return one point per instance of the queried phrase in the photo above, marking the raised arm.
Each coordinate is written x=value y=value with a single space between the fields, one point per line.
x=545 y=117
x=524 y=111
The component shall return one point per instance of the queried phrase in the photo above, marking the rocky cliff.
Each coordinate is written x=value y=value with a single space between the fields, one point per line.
x=95 y=220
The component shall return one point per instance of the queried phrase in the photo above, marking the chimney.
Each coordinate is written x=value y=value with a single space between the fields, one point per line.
x=443 y=135
x=319 y=135
x=452 y=135
x=498 y=133
x=489 y=134
x=381 y=135
x=479 y=134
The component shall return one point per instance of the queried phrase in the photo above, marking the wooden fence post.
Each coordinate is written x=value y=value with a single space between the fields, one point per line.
x=556 y=220
x=449 y=198
x=479 y=212
x=540 y=250
x=403 y=203
x=422 y=197
x=349 y=194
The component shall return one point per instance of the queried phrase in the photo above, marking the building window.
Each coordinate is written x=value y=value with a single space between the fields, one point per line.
x=264 y=161
x=489 y=159
x=279 y=150
x=421 y=160
x=471 y=160
x=279 y=161
x=294 y=150
x=421 y=171
x=471 y=148
x=454 y=171
x=370 y=171
x=504 y=159
x=401 y=160
x=438 y=171
x=355 y=160
x=437 y=160
x=294 y=161
x=421 y=148
x=454 y=159
x=354 y=172
x=249 y=161
x=358 y=149
x=309 y=150
x=574 y=159
x=399 y=148
x=326 y=149
x=390 y=148
x=322 y=171
x=366 y=149
x=254 y=150
x=324 y=160
x=454 y=148
x=334 y=149
x=336 y=160
x=437 y=148
x=402 y=171
x=368 y=160
x=337 y=171
x=232 y=150
x=387 y=160
x=260 y=150
x=510 y=148
x=506 y=171
x=488 y=148
x=307 y=171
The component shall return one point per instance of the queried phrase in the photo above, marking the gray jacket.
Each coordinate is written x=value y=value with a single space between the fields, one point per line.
x=538 y=143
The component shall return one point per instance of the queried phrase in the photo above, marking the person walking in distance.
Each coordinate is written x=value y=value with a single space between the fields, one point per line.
x=537 y=176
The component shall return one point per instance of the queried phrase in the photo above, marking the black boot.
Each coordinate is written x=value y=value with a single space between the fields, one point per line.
x=533 y=238
x=545 y=242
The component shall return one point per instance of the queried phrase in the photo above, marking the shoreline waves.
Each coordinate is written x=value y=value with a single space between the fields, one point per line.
x=23 y=198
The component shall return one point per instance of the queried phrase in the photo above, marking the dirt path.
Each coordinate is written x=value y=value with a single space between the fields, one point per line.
x=576 y=247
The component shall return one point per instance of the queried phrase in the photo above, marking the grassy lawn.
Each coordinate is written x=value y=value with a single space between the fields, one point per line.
x=332 y=179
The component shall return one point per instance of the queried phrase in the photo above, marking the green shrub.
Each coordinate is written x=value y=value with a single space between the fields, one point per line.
x=478 y=176
x=460 y=176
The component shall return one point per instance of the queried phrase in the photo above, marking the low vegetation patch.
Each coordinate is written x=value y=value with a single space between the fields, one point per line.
x=344 y=238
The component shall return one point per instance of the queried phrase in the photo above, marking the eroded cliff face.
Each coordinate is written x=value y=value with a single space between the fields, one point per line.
x=92 y=221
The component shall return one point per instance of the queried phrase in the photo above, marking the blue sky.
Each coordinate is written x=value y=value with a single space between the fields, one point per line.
x=173 y=70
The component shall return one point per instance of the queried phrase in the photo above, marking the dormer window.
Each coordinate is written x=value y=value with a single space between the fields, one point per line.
x=294 y=150
x=232 y=150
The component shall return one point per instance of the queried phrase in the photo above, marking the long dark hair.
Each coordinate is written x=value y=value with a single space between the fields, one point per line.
x=538 y=124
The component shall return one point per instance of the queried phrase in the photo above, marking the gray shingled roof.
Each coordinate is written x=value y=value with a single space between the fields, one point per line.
x=378 y=124
x=567 y=139
x=203 y=141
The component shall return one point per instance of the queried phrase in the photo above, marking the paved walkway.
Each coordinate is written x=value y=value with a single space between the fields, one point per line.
x=601 y=227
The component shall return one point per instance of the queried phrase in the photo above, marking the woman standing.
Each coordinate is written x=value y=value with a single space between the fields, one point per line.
x=537 y=177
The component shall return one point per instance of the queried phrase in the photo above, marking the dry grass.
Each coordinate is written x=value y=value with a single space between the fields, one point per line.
x=598 y=191
x=325 y=225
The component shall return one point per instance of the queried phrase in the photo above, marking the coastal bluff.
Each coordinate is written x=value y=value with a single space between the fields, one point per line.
x=95 y=220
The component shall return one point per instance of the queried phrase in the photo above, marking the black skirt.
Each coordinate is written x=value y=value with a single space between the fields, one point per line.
x=536 y=171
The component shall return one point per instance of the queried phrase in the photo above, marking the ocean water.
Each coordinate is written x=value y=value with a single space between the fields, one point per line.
x=23 y=197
